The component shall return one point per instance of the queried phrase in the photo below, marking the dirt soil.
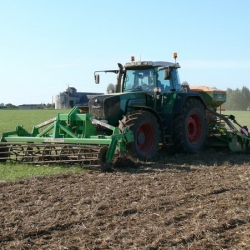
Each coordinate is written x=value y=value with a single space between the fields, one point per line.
x=198 y=201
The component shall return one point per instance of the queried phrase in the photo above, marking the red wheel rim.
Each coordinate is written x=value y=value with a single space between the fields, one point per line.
x=145 y=138
x=194 y=128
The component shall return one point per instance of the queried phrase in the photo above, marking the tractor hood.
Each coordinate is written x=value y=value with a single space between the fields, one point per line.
x=112 y=107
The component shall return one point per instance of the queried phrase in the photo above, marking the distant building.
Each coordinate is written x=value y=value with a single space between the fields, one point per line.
x=70 y=98
x=31 y=106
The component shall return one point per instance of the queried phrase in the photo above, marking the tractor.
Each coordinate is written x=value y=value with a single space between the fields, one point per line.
x=149 y=99
x=146 y=109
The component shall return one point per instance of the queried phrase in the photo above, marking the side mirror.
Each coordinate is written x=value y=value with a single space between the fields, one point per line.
x=166 y=74
x=97 y=78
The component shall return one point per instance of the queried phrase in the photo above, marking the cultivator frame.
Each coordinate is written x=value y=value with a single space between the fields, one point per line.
x=67 y=138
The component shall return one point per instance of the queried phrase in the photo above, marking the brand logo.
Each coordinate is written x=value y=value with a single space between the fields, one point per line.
x=96 y=106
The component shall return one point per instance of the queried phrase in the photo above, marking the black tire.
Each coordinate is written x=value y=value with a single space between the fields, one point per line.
x=190 y=128
x=146 y=133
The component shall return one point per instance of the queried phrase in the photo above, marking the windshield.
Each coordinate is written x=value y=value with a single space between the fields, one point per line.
x=148 y=79
x=138 y=80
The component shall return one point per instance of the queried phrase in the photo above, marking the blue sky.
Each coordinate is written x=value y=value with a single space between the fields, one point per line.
x=48 y=45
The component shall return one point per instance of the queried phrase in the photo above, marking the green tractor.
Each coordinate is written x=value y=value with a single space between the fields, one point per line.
x=147 y=108
x=149 y=99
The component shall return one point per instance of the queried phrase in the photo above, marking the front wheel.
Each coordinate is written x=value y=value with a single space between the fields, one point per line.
x=190 y=128
x=146 y=133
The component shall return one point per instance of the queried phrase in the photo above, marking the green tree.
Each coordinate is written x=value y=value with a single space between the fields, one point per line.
x=228 y=104
x=245 y=98
x=50 y=106
x=11 y=106
x=238 y=99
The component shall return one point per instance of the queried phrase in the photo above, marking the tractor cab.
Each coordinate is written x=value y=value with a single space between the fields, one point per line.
x=151 y=76
x=158 y=80
x=149 y=84
x=141 y=76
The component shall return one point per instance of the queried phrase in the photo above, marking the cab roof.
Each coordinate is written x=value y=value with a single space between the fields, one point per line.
x=151 y=63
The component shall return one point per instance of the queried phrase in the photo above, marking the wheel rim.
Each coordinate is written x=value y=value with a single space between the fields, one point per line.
x=145 y=138
x=194 y=128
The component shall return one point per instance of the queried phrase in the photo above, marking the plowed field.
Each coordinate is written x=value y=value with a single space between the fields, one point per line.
x=198 y=201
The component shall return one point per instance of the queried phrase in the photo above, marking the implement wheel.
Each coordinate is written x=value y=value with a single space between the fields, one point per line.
x=146 y=133
x=190 y=128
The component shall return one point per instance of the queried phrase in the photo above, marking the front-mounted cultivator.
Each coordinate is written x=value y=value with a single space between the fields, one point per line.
x=68 y=138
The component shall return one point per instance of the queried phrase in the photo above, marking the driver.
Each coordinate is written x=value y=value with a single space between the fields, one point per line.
x=147 y=81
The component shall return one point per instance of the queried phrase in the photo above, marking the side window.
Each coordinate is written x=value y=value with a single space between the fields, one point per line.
x=129 y=80
x=163 y=84
x=176 y=80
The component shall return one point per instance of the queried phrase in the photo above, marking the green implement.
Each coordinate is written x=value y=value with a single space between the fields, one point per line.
x=223 y=133
x=68 y=138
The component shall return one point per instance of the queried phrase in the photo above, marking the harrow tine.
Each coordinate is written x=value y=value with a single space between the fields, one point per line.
x=50 y=154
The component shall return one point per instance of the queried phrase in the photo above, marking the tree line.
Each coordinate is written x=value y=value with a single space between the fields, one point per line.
x=238 y=99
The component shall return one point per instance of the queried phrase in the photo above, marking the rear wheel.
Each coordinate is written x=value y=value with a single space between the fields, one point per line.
x=146 y=133
x=190 y=128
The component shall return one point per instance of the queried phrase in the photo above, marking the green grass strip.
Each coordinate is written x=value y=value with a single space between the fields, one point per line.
x=12 y=172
